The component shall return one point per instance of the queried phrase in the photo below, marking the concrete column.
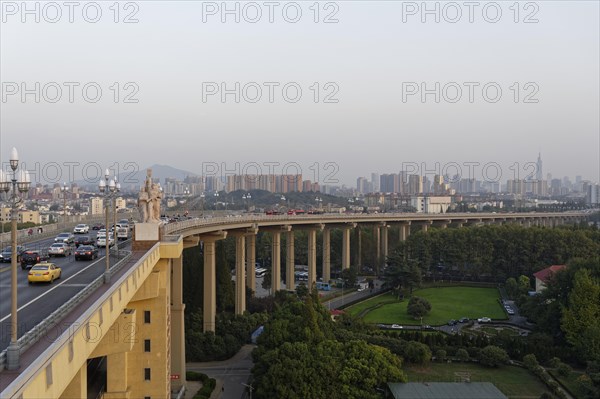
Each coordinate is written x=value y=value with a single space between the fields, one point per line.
x=240 y=270
x=116 y=376
x=77 y=388
x=177 y=323
x=424 y=227
x=359 y=248
x=384 y=242
x=276 y=262
x=251 y=260
x=326 y=255
x=345 y=248
x=404 y=231
x=312 y=258
x=290 y=283
x=443 y=225
x=377 y=237
x=210 y=286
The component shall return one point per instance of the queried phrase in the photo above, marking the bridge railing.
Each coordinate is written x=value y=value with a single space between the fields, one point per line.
x=216 y=221
x=42 y=329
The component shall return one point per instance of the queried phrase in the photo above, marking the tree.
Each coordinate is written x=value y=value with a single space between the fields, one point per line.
x=462 y=355
x=493 y=356
x=349 y=277
x=418 y=307
x=512 y=288
x=581 y=318
x=524 y=285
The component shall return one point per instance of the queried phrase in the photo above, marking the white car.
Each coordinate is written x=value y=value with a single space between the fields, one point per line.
x=101 y=240
x=59 y=249
x=484 y=320
x=396 y=326
x=81 y=229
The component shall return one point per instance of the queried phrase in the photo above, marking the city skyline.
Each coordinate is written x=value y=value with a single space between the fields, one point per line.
x=380 y=97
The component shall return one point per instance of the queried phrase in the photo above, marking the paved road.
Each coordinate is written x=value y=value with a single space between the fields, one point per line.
x=230 y=374
x=37 y=301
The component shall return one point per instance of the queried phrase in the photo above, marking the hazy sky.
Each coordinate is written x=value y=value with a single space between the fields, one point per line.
x=369 y=70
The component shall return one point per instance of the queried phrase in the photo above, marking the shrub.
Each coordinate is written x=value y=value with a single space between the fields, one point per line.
x=554 y=362
x=440 y=355
x=564 y=369
x=462 y=355
x=530 y=361
x=493 y=356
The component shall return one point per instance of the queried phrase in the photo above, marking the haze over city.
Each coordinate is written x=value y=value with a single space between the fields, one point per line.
x=190 y=83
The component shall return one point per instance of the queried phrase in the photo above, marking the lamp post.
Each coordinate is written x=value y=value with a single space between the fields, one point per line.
x=216 y=200
x=19 y=186
x=115 y=232
x=250 y=388
x=319 y=202
x=202 y=202
x=107 y=187
x=64 y=189
x=246 y=198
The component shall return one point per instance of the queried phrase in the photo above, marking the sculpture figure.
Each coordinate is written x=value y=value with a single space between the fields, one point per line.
x=149 y=200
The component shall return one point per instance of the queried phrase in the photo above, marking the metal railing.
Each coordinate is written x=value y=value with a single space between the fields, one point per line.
x=40 y=330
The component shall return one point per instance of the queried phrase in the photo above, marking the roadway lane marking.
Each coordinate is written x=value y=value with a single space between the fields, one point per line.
x=4 y=269
x=51 y=289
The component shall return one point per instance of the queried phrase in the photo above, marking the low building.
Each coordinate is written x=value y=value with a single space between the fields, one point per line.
x=543 y=276
x=431 y=204
x=446 y=390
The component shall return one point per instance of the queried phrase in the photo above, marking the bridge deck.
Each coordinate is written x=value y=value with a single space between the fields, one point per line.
x=31 y=354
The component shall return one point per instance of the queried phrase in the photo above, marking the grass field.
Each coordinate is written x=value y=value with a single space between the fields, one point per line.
x=446 y=303
x=514 y=382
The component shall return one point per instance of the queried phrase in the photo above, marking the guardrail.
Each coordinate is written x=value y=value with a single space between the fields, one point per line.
x=391 y=217
x=33 y=335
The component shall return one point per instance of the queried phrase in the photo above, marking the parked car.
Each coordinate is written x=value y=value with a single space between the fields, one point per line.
x=30 y=258
x=427 y=327
x=484 y=320
x=86 y=252
x=6 y=254
x=44 y=272
x=83 y=240
x=98 y=226
x=81 y=229
x=59 y=249
x=397 y=327
x=463 y=319
x=452 y=322
x=67 y=238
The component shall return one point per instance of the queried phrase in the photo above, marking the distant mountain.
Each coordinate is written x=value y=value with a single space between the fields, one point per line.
x=160 y=172
x=133 y=180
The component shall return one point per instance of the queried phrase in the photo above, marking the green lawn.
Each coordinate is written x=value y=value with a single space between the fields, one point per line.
x=514 y=382
x=446 y=303
x=570 y=382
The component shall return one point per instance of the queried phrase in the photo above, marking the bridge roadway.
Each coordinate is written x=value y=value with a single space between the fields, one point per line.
x=37 y=301
x=151 y=283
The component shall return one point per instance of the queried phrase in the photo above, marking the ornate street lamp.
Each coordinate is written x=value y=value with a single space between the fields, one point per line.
x=19 y=186
x=64 y=189
x=107 y=187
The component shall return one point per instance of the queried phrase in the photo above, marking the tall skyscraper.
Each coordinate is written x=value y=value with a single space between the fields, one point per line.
x=375 y=181
x=539 y=174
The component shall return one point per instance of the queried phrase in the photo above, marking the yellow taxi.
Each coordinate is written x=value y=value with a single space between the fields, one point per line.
x=44 y=272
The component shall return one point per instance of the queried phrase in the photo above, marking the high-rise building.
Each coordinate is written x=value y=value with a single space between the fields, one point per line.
x=375 y=182
x=97 y=206
x=539 y=175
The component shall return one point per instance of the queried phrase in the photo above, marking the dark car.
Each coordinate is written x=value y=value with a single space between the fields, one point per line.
x=463 y=320
x=30 y=258
x=98 y=226
x=6 y=254
x=83 y=240
x=452 y=322
x=86 y=252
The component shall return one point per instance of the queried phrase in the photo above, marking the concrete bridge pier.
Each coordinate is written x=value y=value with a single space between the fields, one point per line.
x=312 y=258
x=276 y=261
x=240 y=270
x=210 y=280
x=290 y=282
x=251 y=262
x=377 y=237
x=326 y=255
x=384 y=241
x=346 y=247
x=404 y=231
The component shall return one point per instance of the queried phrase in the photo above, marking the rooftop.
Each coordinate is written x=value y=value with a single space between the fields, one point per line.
x=544 y=274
